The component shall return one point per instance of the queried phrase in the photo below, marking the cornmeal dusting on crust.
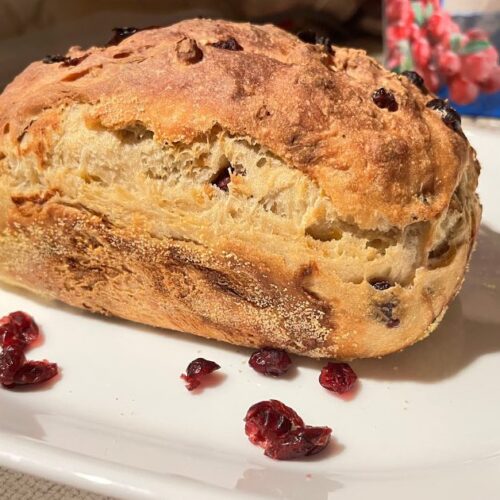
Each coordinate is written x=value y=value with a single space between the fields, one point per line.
x=108 y=202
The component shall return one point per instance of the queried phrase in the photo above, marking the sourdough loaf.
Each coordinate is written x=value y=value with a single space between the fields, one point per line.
x=238 y=183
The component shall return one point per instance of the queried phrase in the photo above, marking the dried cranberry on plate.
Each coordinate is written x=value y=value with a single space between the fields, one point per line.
x=11 y=360
x=196 y=370
x=35 y=372
x=270 y=420
x=18 y=330
x=269 y=361
x=300 y=442
x=337 y=377
x=281 y=432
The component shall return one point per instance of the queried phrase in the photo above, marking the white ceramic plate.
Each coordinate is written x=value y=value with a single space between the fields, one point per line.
x=425 y=423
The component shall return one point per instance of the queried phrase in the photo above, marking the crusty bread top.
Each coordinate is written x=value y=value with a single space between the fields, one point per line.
x=312 y=109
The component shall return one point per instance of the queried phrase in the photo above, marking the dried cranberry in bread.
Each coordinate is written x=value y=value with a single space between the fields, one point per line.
x=238 y=183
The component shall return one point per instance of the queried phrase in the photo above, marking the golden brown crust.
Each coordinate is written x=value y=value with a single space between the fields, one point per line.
x=91 y=192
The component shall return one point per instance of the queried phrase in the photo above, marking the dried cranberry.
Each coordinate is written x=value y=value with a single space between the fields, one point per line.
x=309 y=36
x=270 y=361
x=18 y=328
x=266 y=425
x=223 y=178
x=415 y=78
x=392 y=322
x=337 y=377
x=227 y=44
x=385 y=99
x=387 y=308
x=450 y=116
x=17 y=331
x=276 y=406
x=268 y=420
x=196 y=369
x=282 y=433
x=11 y=360
x=55 y=58
x=300 y=442
x=386 y=314
x=35 y=372
x=327 y=44
x=121 y=34
x=438 y=104
x=452 y=119
x=380 y=284
x=74 y=61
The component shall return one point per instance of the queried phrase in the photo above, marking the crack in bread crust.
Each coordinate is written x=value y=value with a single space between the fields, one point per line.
x=167 y=190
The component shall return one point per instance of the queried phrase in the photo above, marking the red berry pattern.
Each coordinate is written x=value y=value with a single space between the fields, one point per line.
x=449 y=63
x=421 y=36
x=463 y=91
x=492 y=84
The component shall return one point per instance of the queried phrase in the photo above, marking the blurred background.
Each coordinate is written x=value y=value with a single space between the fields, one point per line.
x=30 y=29
x=453 y=44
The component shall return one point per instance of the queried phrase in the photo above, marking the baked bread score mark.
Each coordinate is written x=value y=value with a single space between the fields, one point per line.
x=240 y=183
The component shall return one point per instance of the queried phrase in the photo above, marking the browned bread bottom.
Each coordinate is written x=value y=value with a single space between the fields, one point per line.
x=78 y=257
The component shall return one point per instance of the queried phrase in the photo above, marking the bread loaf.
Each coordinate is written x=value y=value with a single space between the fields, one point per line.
x=238 y=183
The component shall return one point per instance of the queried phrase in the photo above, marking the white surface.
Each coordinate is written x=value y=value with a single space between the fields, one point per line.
x=121 y=423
